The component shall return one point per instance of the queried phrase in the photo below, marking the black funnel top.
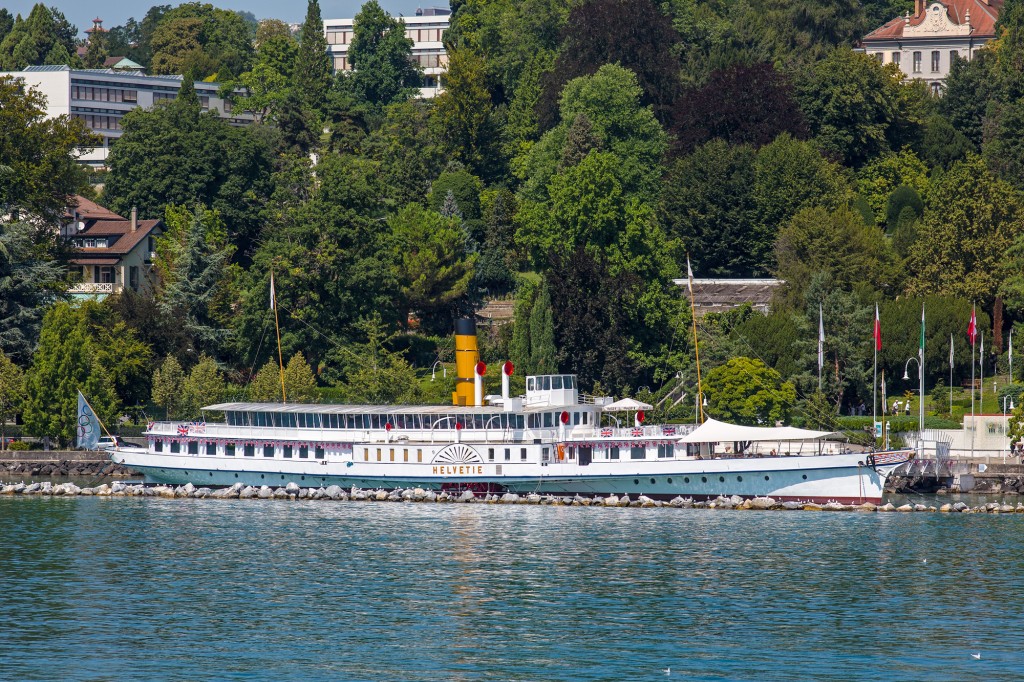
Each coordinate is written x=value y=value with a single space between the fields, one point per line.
x=465 y=327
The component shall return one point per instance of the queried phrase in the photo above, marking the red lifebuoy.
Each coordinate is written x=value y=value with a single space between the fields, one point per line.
x=564 y=417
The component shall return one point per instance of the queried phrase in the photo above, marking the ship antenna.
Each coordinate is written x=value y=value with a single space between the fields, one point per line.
x=696 y=350
x=277 y=326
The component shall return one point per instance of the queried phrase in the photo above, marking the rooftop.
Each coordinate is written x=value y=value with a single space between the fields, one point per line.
x=977 y=17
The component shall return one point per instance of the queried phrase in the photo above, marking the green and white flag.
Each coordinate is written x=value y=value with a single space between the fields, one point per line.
x=88 y=432
x=921 y=350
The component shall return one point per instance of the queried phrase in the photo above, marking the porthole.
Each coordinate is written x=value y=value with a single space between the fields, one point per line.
x=636 y=481
x=302 y=478
x=282 y=478
x=805 y=477
x=739 y=478
x=236 y=475
x=211 y=474
x=670 y=479
x=652 y=480
x=766 y=478
x=703 y=479
x=262 y=476
x=721 y=479
x=686 y=480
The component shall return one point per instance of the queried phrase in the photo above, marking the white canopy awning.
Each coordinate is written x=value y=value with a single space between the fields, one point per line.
x=714 y=431
x=626 y=405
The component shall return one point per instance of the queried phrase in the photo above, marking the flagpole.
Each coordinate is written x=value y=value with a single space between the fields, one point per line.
x=1011 y=355
x=277 y=326
x=696 y=348
x=973 y=333
x=821 y=344
x=951 y=375
x=877 y=341
x=981 y=370
x=920 y=399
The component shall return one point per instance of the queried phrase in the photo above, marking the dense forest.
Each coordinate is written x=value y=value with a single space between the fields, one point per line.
x=581 y=151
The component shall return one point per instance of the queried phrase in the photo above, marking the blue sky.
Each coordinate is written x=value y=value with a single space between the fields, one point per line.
x=115 y=12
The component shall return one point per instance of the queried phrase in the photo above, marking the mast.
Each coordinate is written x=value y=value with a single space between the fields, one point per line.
x=277 y=326
x=696 y=348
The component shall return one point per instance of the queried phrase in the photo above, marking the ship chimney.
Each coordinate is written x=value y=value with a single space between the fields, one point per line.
x=135 y=218
x=506 y=375
x=467 y=355
x=478 y=383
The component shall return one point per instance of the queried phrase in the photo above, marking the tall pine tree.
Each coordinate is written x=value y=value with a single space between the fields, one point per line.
x=313 y=69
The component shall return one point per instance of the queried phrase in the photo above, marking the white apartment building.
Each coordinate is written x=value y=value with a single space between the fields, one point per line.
x=925 y=45
x=426 y=30
x=101 y=97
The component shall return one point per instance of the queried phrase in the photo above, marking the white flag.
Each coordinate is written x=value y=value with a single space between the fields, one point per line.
x=689 y=275
x=273 y=296
x=951 y=351
x=1010 y=350
x=821 y=339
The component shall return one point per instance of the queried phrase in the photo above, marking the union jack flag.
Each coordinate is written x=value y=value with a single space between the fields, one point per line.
x=668 y=430
x=183 y=429
x=606 y=433
x=198 y=427
x=150 y=425
x=636 y=433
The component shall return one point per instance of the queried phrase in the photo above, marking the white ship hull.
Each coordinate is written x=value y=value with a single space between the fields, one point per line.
x=845 y=478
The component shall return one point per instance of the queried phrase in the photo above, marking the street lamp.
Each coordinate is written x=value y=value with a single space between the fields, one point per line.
x=1005 y=397
x=920 y=400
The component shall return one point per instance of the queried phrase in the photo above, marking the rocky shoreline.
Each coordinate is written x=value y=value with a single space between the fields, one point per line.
x=418 y=495
x=64 y=468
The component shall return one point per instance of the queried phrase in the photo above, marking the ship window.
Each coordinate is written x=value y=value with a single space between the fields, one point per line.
x=520 y=421
x=318 y=421
x=175 y=446
x=366 y=454
x=522 y=454
x=547 y=383
x=405 y=454
x=547 y=419
x=286 y=451
x=665 y=450
x=229 y=450
x=211 y=448
x=490 y=454
x=613 y=453
x=419 y=455
x=637 y=453
x=250 y=450
x=378 y=454
x=545 y=454
x=575 y=418
x=289 y=419
x=508 y=454
x=318 y=453
x=556 y=382
x=375 y=421
x=261 y=419
x=529 y=383
x=268 y=450
x=392 y=453
x=158 y=445
x=303 y=452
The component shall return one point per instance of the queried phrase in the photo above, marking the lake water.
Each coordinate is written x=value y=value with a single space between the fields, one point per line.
x=143 y=588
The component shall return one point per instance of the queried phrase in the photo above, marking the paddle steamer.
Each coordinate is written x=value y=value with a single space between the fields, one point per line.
x=551 y=440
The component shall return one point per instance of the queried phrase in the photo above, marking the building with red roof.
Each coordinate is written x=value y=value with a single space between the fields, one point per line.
x=925 y=44
x=111 y=252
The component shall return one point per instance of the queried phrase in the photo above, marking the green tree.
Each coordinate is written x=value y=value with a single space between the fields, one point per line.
x=746 y=391
x=44 y=37
x=856 y=107
x=709 y=204
x=407 y=149
x=12 y=394
x=464 y=115
x=838 y=243
x=519 y=348
x=878 y=179
x=313 y=65
x=374 y=373
x=380 y=55
x=30 y=279
x=431 y=264
x=192 y=290
x=902 y=198
x=64 y=364
x=203 y=40
x=120 y=354
x=203 y=386
x=169 y=388
x=299 y=381
x=38 y=169
x=969 y=223
x=265 y=387
x=542 y=334
x=173 y=154
x=96 y=51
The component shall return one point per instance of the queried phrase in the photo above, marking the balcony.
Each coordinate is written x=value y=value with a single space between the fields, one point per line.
x=91 y=288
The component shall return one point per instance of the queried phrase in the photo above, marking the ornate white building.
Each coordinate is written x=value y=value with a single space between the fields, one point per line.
x=925 y=44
